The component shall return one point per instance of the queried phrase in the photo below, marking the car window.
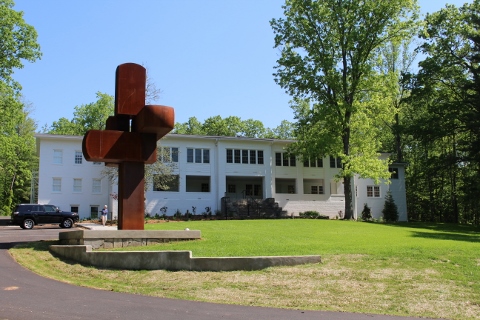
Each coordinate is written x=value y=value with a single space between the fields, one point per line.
x=37 y=208
x=50 y=208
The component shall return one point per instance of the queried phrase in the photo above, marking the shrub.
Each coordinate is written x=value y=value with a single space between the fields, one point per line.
x=366 y=213
x=309 y=214
x=390 y=210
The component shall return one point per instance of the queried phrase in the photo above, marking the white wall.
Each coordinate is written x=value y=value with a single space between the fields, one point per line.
x=67 y=171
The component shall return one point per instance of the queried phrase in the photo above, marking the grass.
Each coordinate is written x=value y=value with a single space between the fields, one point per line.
x=415 y=269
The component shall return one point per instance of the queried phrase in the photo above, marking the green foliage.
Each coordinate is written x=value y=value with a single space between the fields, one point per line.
x=17 y=153
x=328 y=63
x=366 y=213
x=233 y=127
x=444 y=120
x=92 y=116
x=18 y=42
x=390 y=210
x=309 y=214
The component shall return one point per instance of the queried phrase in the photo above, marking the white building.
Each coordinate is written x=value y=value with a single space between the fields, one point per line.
x=222 y=175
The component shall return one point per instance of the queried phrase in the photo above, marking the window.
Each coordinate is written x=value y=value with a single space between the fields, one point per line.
x=313 y=163
x=93 y=212
x=231 y=188
x=78 y=157
x=198 y=155
x=260 y=157
x=253 y=190
x=205 y=187
x=285 y=159
x=172 y=185
x=335 y=162
x=190 y=155
x=74 y=209
x=96 y=186
x=373 y=191
x=253 y=156
x=393 y=172
x=168 y=154
x=206 y=156
x=229 y=156
x=244 y=156
x=278 y=158
x=237 y=156
x=57 y=156
x=313 y=186
x=57 y=184
x=77 y=185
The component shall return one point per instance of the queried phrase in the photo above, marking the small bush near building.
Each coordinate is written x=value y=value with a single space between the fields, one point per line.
x=309 y=214
x=390 y=210
x=366 y=213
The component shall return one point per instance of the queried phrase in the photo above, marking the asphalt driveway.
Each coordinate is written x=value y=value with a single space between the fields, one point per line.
x=25 y=295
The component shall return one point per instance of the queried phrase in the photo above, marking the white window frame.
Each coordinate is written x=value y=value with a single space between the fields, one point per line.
x=77 y=185
x=57 y=156
x=96 y=185
x=373 y=191
x=78 y=157
x=56 y=184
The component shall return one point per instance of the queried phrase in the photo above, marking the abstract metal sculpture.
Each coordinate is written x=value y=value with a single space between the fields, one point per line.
x=129 y=141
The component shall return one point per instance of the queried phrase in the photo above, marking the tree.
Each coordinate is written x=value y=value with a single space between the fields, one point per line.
x=444 y=152
x=18 y=41
x=232 y=126
x=326 y=64
x=17 y=153
x=390 y=210
x=86 y=117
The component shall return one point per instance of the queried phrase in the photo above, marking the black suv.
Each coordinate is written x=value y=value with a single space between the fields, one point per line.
x=28 y=215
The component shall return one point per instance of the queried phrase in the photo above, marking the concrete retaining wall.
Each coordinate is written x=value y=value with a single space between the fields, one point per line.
x=108 y=239
x=172 y=260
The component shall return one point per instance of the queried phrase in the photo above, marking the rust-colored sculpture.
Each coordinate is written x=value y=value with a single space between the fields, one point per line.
x=129 y=142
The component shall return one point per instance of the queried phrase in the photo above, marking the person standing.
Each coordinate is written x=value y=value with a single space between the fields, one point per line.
x=104 y=215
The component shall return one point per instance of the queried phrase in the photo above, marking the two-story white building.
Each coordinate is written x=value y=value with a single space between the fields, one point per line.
x=221 y=175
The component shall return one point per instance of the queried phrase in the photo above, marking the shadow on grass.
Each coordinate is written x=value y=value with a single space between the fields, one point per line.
x=442 y=231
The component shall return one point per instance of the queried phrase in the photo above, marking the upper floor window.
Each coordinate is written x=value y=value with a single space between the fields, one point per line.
x=77 y=185
x=244 y=156
x=168 y=154
x=335 y=162
x=96 y=185
x=198 y=155
x=78 y=157
x=285 y=159
x=56 y=184
x=58 y=156
x=393 y=172
x=313 y=163
x=373 y=191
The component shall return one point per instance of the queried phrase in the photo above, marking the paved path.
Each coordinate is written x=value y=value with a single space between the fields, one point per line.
x=25 y=295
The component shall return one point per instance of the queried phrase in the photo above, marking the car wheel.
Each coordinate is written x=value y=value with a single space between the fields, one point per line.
x=28 y=224
x=67 y=223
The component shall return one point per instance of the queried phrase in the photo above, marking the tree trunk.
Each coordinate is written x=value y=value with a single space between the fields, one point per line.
x=347 y=187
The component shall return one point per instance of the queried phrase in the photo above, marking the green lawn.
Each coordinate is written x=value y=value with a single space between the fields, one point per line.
x=414 y=269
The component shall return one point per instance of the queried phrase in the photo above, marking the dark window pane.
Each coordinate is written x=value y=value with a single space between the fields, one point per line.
x=278 y=159
x=189 y=155
x=206 y=156
x=244 y=156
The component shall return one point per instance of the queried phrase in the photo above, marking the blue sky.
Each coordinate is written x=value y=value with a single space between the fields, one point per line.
x=208 y=57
